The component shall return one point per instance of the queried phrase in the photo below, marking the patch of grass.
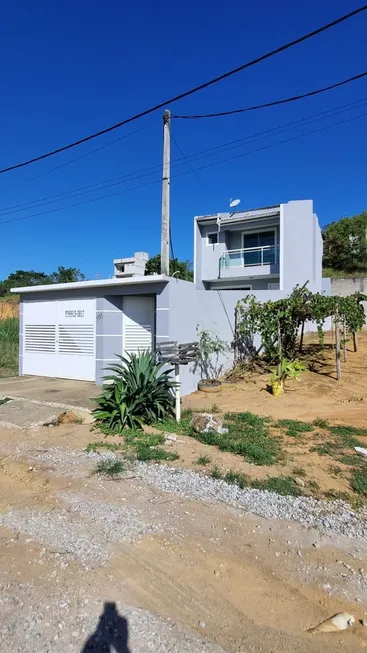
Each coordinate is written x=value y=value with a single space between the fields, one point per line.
x=353 y=460
x=237 y=478
x=328 y=448
x=299 y=471
x=359 y=482
x=295 y=427
x=139 y=438
x=170 y=425
x=283 y=485
x=4 y=400
x=247 y=418
x=321 y=423
x=94 y=446
x=110 y=468
x=216 y=473
x=145 y=453
x=203 y=460
x=347 y=430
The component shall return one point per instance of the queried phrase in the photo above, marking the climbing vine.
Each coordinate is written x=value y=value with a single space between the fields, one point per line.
x=261 y=327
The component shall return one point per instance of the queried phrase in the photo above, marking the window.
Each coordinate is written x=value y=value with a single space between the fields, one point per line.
x=253 y=241
x=212 y=238
x=273 y=286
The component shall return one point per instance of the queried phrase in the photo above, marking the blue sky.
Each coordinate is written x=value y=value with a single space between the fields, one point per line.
x=71 y=68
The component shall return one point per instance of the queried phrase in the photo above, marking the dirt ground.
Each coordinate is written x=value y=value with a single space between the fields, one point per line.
x=317 y=394
x=218 y=575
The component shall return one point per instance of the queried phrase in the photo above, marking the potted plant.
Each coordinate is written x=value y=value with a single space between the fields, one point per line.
x=208 y=360
x=285 y=370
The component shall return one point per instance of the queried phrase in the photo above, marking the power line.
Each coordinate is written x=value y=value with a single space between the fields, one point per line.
x=77 y=158
x=218 y=149
x=215 y=80
x=193 y=169
x=180 y=174
x=274 y=103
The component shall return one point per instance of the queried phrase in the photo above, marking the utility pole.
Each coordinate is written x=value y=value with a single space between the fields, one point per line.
x=165 y=192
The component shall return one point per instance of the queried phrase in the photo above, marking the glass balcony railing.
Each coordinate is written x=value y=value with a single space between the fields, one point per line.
x=242 y=258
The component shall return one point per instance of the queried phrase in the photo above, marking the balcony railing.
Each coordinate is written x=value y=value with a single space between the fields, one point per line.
x=243 y=258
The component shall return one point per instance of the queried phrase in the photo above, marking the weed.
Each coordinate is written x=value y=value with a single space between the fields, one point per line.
x=352 y=460
x=335 y=470
x=328 y=448
x=295 y=427
x=313 y=485
x=247 y=418
x=170 y=425
x=4 y=400
x=237 y=478
x=337 y=494
x=283 y=485
x=299 y=471
x=359 y=482
x=321 y=423
x=145 y=452
x=94 y=446
x=347 y=430
x=111 y=468
x=203 y=460
x=216 y=473
x=139 y=438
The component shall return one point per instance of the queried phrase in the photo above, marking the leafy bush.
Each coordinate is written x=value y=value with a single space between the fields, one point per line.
x=210 y=349
x=138 y=393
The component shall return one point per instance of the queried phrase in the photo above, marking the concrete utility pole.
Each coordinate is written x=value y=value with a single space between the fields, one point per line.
x=165 y=192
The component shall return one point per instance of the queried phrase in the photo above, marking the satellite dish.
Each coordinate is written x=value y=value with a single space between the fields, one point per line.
x=234 y=203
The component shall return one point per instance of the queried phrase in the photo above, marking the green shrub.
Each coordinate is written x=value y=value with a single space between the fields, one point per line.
x=111 y=468
x=145 y=452
x=138 y=393
x=295 y=427
x=321 y=423
x=216 y=473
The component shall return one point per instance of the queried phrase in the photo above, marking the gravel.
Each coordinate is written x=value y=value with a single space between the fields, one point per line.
x=331 y=517
x=66 y=621
x=84 y=531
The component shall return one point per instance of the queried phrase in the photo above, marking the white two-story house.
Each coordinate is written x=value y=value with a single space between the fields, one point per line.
x=272 y=248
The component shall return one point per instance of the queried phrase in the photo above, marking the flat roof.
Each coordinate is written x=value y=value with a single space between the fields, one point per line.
x=97 y=283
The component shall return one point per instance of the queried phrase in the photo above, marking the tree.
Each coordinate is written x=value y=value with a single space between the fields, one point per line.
x=67 y=275
x=182 y=268
x=21 y=278
x=345 y=243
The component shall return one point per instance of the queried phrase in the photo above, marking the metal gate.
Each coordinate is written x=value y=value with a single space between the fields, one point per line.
x=59 y=338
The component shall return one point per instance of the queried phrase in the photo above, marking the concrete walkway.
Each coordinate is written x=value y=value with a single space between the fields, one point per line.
x=44 y=389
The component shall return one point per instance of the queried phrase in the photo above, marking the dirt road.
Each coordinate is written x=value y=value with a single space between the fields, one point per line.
x=185 y=575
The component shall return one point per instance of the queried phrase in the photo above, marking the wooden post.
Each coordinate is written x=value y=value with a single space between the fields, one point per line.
x=235 y=348
x=345 y=340
x=279 y=348
x=355 y=342
x=301 y=338
x=337 y=348
x=178 y=398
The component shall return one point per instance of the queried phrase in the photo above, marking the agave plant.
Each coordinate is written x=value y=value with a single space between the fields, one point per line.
x=138 y=392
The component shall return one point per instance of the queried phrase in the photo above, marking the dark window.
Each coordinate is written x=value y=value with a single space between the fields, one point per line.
x=212 y=238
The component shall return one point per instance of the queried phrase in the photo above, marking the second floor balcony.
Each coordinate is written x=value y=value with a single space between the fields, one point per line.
x=249 y=261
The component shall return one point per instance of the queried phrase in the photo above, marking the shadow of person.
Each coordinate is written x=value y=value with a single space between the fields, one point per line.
x=111 y=634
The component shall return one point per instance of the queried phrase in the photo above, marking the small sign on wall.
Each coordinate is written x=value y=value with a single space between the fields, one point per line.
x=75 y=313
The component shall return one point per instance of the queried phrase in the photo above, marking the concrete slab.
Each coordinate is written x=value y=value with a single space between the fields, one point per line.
x=40 y=388
x=23 y=413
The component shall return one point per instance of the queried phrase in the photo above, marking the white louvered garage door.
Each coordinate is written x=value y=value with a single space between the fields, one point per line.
x=59 y=339
x=138 y=324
